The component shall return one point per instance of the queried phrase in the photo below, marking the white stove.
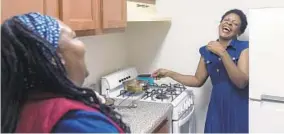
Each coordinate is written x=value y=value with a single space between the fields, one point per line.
x=175 y=93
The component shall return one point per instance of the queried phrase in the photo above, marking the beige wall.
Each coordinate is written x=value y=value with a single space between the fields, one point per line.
x=105 y=54
x=194 y=23
x=148 y=46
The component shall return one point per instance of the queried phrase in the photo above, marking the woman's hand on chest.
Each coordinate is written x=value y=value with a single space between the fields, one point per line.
x=216 y=48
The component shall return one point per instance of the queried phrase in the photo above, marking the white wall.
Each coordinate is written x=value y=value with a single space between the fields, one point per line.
x=194 y=23
x=105 y=54
x=149 y=46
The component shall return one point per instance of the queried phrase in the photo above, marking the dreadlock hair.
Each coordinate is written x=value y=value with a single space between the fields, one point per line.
x=26 y=67
x=242 y=16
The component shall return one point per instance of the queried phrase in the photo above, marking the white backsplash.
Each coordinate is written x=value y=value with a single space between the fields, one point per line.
x=105 y=54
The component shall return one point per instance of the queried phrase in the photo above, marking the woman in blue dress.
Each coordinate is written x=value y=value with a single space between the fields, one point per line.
x=226 y=62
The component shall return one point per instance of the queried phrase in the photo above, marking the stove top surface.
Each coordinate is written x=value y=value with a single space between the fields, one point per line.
x=154 y=92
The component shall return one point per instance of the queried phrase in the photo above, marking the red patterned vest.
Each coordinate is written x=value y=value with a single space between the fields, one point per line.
x=41 y=116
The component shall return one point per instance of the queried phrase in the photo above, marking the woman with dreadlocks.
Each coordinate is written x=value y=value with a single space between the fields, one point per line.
x=43 y=69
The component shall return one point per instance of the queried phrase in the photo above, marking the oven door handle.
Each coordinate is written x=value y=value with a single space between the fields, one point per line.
x=186 y=118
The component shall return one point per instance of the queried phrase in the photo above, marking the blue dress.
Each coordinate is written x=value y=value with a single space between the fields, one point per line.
x=228 y=107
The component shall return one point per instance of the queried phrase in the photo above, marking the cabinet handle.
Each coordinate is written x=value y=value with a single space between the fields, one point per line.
x=141 y=5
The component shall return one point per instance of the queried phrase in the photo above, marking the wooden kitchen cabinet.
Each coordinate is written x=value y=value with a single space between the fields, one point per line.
x=86 y=17
x=114 y=14
x=11 y=8
x=145 y=1
x=163 y=127
x=89 y=17
x=80 y=14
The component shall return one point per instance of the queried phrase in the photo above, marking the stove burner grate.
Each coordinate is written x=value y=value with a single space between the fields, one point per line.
x=162 y=96
x=171 y=90
x=158 y=92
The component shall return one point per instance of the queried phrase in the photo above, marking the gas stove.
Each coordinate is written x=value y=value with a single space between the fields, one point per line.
x=176 y=94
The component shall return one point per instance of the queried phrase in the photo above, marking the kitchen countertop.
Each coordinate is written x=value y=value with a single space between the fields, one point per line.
x=146 y=117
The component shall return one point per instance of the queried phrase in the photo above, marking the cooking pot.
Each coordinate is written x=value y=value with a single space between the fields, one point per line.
x=135 y=85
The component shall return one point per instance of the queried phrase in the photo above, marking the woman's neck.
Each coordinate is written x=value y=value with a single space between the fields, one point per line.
x=224 y=42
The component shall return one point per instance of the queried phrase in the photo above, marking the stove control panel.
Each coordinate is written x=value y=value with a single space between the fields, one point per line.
x=182 y=104
x=116 y=79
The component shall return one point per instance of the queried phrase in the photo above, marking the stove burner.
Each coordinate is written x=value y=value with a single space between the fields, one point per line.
x=171 y=90
x=165 y=86
x=162 y=96
x=148 y=94
x=182 y=87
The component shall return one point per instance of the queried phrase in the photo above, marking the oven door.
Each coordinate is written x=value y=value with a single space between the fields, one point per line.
x=186 y=124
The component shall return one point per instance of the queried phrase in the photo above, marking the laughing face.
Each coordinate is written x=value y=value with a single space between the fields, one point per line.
x=230 y=26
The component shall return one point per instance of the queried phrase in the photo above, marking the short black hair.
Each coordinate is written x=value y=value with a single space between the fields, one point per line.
x=242 y=16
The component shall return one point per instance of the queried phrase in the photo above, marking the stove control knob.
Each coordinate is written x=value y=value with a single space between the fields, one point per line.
x=182 y=109
x=188 y=104
x=185 y=106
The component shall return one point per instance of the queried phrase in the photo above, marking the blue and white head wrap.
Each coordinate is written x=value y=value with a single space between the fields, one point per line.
x=47 y=27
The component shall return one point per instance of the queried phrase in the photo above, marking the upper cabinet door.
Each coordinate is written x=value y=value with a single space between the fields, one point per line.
x=114 y=14
x=16 y=7
x=80 y=14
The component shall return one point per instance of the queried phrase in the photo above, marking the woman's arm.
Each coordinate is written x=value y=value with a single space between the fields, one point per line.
x=196 y=80
x=239 y=74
